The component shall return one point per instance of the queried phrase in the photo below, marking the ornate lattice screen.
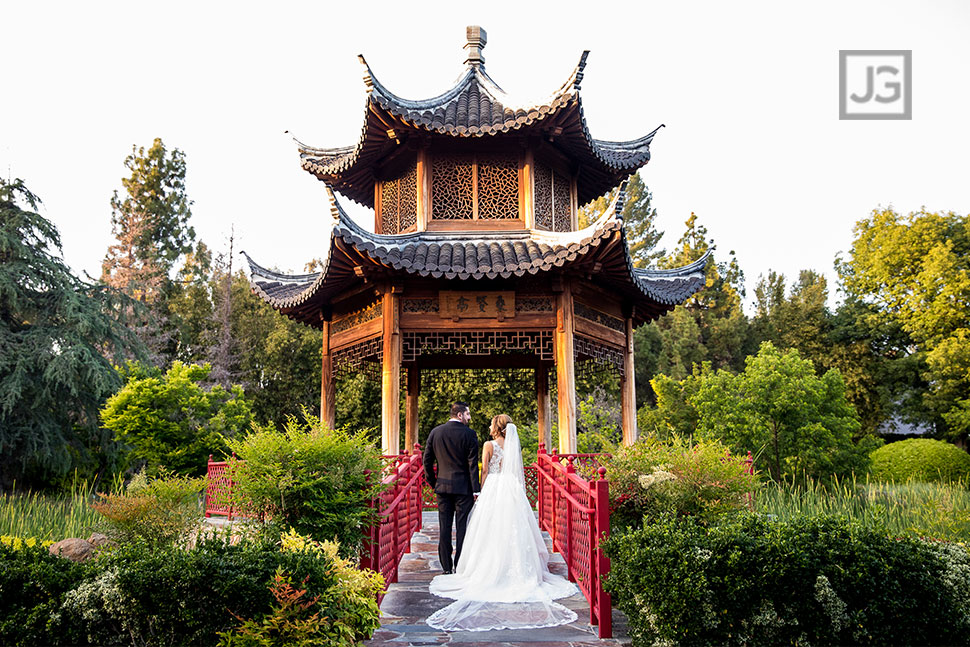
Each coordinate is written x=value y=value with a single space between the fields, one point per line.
x=469 y=187
x=553 y=199
x=399 y=202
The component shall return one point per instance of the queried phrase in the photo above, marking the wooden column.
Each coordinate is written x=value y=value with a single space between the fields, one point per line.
x=411 y=408
x=566 y=370
x=423 y=189
x=542 y=405
x=528 y=209
x=328 y=392
x=391 y=376
x=628 y=387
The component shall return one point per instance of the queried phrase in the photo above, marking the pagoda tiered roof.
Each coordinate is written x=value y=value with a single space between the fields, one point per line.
x=476 y=107
x=599 y=249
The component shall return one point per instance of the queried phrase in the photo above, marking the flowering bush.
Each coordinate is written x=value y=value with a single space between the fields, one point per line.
x=340 y=616
x=652 y=478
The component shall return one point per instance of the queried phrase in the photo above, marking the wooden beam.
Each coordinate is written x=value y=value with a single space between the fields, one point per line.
x=411 y=408
x=328 y=393
x=508 y=361
x=543 y=405
x=565 y=369
x=391 y=376
x=628 y=387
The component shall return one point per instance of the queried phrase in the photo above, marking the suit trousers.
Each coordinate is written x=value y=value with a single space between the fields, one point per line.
x=452 y=507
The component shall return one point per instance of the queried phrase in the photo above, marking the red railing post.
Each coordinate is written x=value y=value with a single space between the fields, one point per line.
x=232 y=461
x=570 y=553
x=208 y=485
x=601 y=611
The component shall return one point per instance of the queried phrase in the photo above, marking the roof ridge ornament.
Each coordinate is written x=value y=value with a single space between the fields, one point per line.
x=475 y=43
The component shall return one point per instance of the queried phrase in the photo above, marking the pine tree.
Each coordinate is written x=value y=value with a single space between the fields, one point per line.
x=152 y=232
x=639 y=218
x=58 y=338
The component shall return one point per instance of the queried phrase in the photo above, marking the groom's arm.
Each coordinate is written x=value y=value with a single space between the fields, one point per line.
x=429 y=457
x=473 y=462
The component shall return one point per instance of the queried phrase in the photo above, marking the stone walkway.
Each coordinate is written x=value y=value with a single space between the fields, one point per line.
x=408 y=603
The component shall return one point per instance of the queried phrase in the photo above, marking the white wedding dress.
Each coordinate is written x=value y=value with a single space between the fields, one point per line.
x=503 y=580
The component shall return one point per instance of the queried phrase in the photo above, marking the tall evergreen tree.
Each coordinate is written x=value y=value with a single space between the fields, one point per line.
x=58 y=338
x=151 y=227
x=639 y=218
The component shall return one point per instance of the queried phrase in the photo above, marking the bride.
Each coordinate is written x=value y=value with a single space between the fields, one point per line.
x=503 y=580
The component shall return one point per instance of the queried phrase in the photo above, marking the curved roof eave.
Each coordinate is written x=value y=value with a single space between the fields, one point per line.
x=507 y=114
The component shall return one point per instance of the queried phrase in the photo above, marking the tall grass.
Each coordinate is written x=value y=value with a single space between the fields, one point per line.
x=49 y=517
x=929 y=510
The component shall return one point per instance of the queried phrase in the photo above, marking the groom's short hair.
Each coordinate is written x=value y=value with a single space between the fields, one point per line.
x=458 y=408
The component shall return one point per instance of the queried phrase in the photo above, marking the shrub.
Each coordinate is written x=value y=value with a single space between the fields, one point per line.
x=309 y=478
x=341 y=616
x=920 y=459
x=170 y=421
x=751 y=581
x=652 y=478
x=33 y=584
x=166 y=596
x=158 y=511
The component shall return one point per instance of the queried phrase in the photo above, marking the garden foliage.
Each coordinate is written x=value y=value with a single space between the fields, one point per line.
x=652 y=478
x=158 y=511
x=920 y=459
x=171 y=421
x=793 y=421
x=316 y=480
x=751 y=581
x=141 y=595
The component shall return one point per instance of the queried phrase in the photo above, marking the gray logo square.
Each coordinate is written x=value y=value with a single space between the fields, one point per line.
x=875 y=84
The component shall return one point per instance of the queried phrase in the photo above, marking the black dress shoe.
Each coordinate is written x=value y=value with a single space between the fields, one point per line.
x=447 y=572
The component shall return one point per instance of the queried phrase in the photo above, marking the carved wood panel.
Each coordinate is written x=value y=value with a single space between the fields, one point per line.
x=477 y=342
x=399 y=202
x=543 y=197
x=498 y=187
x=451 y=187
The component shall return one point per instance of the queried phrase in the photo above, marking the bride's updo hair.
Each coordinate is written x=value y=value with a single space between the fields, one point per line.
x=499 y=423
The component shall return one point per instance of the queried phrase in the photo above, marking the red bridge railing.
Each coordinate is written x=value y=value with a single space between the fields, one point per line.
x=399 y=515
x=218 y=489
x=398 y=509
x=576 y=514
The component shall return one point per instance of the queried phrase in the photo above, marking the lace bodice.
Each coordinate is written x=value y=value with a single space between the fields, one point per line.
x=495 y=463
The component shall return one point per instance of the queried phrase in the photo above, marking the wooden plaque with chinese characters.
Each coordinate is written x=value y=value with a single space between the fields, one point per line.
x=476 y=305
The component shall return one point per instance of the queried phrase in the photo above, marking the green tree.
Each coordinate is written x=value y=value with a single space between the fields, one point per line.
x=639 y=220
x=796 y=422
x=58 y=336
x=152 y=234
x=708 y=327
x=914 y=272
x=151 y=222
x=170 y=421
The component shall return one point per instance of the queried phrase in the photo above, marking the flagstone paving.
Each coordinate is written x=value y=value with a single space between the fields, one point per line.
x=408 y=603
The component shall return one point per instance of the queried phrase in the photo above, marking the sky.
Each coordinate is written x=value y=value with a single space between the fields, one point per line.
x=748 y=91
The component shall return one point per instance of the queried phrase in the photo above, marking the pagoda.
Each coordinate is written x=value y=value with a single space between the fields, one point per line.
x=476 y=259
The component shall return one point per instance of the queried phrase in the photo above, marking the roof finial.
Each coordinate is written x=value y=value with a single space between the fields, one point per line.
x=476 y=39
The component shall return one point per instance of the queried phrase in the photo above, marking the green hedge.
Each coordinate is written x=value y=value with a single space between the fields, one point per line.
x=136 y=595
x=920 y=459
x=820 y=581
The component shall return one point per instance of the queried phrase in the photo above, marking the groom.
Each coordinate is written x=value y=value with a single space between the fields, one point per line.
x=454 y=447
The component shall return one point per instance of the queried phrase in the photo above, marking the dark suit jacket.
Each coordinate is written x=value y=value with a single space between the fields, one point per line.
x=454 y=446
